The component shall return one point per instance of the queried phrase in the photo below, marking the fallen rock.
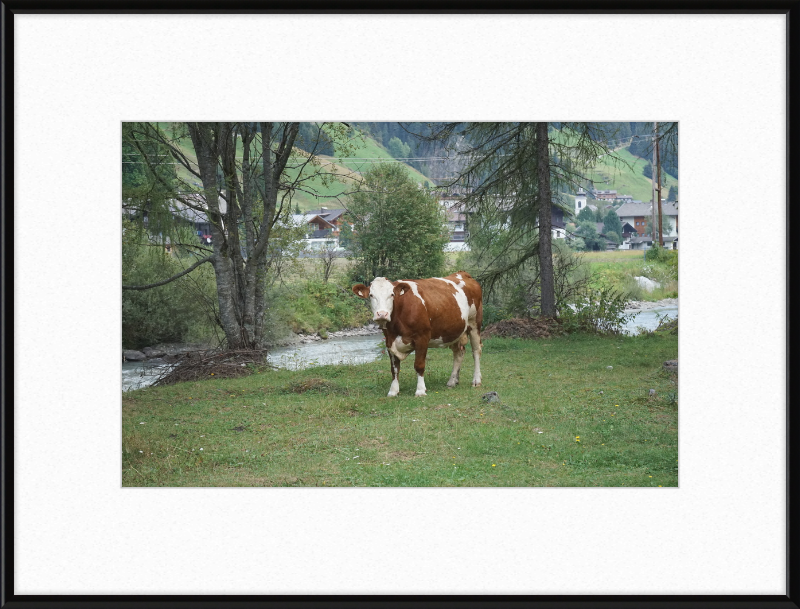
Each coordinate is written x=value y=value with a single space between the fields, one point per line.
x=151 y=352
x=671 y=365
x=491 y=397
x=647 y=284
x=133 y=356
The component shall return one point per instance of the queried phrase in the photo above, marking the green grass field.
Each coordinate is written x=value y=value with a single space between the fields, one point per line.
x=564 y=419
x=618 y=269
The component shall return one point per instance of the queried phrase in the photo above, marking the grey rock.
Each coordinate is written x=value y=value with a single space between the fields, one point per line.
x=652 y=392
x=491 y=397
x=133 y=356
x=607 y=367
x=154 y=352
x=671 y=365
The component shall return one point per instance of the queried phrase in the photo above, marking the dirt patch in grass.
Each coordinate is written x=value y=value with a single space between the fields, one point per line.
x=313 y=384
x=403 y=455
x=533 y=327
x=371 y=442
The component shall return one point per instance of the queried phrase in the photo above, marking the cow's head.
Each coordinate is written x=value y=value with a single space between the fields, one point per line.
x=381 y=293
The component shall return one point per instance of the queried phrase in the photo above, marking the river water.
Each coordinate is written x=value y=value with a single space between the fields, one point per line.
x=346 y=350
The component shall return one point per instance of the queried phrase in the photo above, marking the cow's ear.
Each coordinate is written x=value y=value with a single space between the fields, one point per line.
x=401 y=288
x=360 y=289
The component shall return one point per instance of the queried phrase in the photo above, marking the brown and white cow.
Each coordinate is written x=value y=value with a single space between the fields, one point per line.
x=419 y=313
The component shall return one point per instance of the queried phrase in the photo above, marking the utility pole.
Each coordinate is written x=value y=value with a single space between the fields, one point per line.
x=653 y=179
x=658 y=188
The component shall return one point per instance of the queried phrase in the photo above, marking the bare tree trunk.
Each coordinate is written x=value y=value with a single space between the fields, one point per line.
x=205 y=145
x=548 y=306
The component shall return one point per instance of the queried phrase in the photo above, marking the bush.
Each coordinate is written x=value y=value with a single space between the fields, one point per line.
x=316 y=306
x=599 y=311
x=176 y=312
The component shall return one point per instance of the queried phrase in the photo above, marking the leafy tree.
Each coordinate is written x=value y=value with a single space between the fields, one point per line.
x=673 y=193
x=588 y=232
x=585 y=215
x=514 y=171
x=399 y=229
x=613 y=236
x=241 y=177
x=666 y=225
x=346 y=236
x=612 y=223
x=576 y=243
x=311 y=137
x=178 y=311
x=398 y=149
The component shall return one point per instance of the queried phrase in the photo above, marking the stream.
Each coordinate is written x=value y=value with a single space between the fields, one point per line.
x=346 y=350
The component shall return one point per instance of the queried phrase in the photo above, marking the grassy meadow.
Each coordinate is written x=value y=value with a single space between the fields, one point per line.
x=618 y=269
x=564 y=419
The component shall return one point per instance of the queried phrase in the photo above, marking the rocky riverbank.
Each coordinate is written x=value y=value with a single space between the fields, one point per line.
x=644 y=305
x=310 y=338
x=169 y=353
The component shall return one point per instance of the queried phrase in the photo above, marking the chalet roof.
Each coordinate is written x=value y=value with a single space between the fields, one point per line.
x=645 y=209
x=329 y=215
x=309 y=218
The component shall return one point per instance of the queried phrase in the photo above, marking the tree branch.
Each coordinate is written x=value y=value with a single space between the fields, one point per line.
x=173 y=278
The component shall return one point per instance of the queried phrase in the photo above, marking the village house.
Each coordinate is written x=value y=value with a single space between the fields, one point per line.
x=324 y=227
x=637 y=213
x=634 y=216
x=605 y=195
x=327 y=220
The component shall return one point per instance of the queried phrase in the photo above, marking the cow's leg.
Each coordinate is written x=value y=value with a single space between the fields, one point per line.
x=394 y=361
x=421 y=348
x=458 y=357
x=475 y=341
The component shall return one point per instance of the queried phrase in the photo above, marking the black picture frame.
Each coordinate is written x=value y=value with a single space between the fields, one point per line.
x=9 y=599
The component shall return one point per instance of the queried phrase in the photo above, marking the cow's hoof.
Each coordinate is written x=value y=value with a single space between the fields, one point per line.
x=452 y=383
x=420 y=393
x=476 y=383
x=391 y=395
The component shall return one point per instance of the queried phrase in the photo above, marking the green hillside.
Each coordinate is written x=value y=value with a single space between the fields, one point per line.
x=367 y=153
x=325 y=183
x=626 y=177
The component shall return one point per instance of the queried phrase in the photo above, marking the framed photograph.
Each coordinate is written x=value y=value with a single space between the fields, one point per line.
x=162 y=497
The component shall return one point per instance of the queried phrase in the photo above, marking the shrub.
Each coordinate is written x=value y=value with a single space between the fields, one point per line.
x=316 y=306
x=175 y=312
x=599 y=311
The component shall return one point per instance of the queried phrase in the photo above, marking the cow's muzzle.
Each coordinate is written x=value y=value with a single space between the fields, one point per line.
x=381 y=316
